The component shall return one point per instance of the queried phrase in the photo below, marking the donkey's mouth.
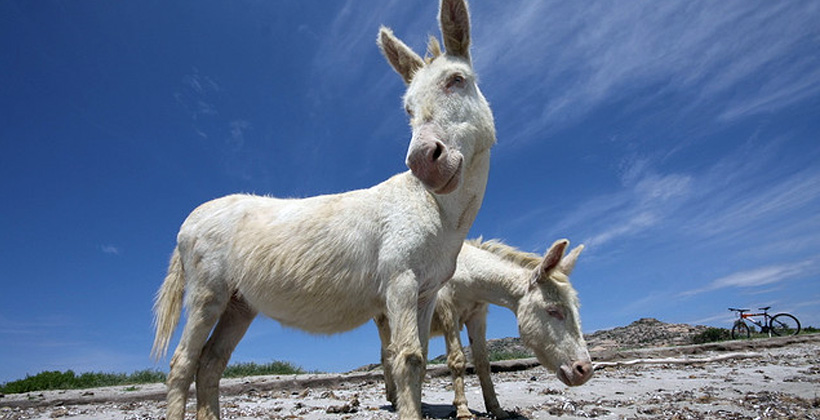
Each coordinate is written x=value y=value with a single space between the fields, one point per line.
x=562 y=376
x=451 y=183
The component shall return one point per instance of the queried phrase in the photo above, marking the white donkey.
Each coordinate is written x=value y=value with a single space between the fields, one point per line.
x=536 y=289
x=330 y=263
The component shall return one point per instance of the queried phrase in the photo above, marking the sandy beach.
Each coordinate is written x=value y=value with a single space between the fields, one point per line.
x=760 y=379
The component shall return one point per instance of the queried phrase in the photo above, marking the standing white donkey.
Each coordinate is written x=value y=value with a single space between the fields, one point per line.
x=330 y=263
x=536 y=289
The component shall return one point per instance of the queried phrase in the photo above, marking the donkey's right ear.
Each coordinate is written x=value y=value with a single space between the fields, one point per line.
x=404 y=60
x=567 y=263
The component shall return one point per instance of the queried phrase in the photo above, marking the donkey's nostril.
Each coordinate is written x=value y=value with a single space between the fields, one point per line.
x=437 y=152
x=583 y=368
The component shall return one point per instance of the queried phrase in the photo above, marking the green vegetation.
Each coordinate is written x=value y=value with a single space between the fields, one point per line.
x=712 y=334
x=239 y=370
x=508 y=355
x=494 y=356
x=50 y=380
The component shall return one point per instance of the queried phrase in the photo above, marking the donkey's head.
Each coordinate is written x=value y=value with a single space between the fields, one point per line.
x=452 y=122
x=548 y=318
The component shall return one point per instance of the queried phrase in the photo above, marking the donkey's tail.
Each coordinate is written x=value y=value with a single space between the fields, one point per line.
x=168 y=306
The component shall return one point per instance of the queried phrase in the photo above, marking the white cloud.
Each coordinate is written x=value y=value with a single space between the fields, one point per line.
x=110 y=249
x=759 y=276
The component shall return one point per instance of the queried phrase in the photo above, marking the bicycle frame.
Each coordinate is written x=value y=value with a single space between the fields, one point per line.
x=764 y=326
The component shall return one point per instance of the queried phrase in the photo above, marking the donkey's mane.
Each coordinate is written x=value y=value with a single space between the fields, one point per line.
x=507 y=252
x=433 y=50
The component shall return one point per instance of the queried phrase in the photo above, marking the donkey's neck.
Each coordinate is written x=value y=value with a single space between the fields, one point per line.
x=459 y=208
x=498 y=282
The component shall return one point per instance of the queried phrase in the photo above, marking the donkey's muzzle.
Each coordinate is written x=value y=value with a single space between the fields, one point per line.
x=576 y=373
x=432 y=162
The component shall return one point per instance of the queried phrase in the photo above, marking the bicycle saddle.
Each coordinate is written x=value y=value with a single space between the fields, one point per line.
x=739 y=310
x=765 y=309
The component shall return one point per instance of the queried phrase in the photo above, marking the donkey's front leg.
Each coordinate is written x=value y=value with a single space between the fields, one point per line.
x=425 y=318
x=477 y=331
x=405 y=344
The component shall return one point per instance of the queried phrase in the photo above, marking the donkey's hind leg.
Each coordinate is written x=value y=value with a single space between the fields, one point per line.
x=477 y=331
x=456 y=360
x=204 y=309
x=231 y=328
x=387 y=358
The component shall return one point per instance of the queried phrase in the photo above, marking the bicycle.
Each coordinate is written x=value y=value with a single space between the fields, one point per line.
x=780 y=325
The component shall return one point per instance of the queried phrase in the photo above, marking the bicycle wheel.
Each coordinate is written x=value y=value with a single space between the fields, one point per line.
x=784 y=324
x=740 y=330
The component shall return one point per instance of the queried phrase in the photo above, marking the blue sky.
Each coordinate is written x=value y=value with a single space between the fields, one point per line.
x=677 y=140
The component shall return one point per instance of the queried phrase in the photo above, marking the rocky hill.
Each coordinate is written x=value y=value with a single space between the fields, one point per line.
x=645 y=332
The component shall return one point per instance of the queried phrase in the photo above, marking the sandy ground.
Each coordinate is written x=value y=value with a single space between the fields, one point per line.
x=771 y=379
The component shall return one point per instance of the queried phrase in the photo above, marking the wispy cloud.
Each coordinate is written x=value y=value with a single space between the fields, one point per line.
x=236 y=139
x=197 y=96
x=737 y=209
x=728 y=202
x=32 y=326
x=734 y=58
x=348 y=50
x=110 y=249
x=723 y=317
x=642 y=205
x=759 y=276
x=200 y=96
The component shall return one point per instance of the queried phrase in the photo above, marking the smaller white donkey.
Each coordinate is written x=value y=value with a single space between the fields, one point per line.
x=329 y=264
x=536 y=289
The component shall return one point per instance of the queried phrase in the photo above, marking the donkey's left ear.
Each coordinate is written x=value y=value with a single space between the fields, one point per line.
x=568 y=263
x=552 y=258
x=455 y=27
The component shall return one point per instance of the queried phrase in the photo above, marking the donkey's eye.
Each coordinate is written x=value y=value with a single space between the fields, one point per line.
x=556 y=313
x=456 y=80
x=408 y=111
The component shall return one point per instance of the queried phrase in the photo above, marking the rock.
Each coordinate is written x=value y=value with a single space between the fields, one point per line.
x=349 y=408
x=60 y=412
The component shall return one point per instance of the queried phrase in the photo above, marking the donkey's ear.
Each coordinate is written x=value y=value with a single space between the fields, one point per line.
x=455 y=27
x=552 y=258
x=399 y=55
x=568 y=263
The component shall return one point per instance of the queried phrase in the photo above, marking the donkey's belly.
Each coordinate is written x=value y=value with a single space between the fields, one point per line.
x=330 y=312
